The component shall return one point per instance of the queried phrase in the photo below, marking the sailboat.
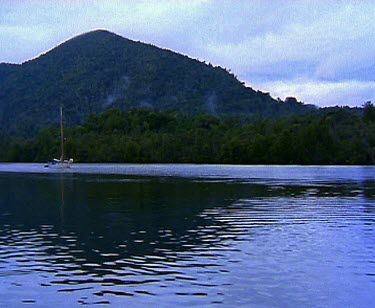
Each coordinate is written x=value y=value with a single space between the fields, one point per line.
x=62 y=162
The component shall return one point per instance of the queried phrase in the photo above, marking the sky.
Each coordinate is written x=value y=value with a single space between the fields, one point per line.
x=321 y=52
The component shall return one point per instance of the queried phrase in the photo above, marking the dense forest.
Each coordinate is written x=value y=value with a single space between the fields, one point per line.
x=128 y=101
x=100 y=70
x=330 y=136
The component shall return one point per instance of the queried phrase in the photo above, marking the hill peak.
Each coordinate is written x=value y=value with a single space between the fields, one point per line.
x=97 y=34
x=99 y=69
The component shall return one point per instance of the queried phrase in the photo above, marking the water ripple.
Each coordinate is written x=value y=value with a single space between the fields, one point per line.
x=198 y=242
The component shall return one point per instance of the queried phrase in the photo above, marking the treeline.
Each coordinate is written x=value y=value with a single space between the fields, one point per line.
x=100 y=70
x=331 y=136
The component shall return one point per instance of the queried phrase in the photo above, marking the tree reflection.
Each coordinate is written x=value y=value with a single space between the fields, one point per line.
x=107 y=218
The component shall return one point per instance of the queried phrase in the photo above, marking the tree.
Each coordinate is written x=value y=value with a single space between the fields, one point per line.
x=368 y=112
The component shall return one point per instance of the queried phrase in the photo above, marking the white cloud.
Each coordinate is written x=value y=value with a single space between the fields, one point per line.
x=328 y=40
x=262 y=41
x=323 y=93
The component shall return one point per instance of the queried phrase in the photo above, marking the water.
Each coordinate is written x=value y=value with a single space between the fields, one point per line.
x=187 y=235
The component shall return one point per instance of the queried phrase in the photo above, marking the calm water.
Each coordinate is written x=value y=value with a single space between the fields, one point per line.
x=187 y=235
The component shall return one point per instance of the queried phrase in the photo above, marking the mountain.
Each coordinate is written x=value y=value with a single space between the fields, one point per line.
x=99 y=70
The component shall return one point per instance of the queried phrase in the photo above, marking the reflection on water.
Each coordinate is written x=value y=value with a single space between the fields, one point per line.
x=69 y=239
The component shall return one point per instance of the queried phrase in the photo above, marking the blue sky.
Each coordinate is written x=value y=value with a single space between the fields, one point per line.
x=322 y=52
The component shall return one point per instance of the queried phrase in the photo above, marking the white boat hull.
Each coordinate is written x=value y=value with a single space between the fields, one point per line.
x=57 y=164
x=60 y=163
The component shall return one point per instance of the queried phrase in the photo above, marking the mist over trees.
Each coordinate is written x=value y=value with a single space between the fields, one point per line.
x=100 y=70
x=331 y=136
x=126 y=101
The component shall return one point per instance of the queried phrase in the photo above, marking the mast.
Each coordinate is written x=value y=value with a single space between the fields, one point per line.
x=61 y=134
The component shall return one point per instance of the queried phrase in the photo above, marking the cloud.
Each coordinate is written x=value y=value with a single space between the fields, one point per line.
x=265 y=43
x=164 y=23
x=323 y=93
x=324 y=41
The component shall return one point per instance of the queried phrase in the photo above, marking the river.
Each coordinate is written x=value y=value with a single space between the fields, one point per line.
x=187 y=235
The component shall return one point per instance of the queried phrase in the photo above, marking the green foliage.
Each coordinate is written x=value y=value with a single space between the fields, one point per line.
x=369 y=112
x=336 y=136
x=100 y=70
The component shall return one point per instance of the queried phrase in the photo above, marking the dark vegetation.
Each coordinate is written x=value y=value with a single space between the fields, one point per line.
x=127 y=101
x=330 y=136
x=100 y=70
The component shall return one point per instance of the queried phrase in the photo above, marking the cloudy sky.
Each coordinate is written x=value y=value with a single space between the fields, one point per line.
x=322 y=52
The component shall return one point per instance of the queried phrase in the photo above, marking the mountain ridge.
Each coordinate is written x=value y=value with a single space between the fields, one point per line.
x=98 y=70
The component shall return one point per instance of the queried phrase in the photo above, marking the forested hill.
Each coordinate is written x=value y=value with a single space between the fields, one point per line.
x=100 y=70
x=333 y=136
